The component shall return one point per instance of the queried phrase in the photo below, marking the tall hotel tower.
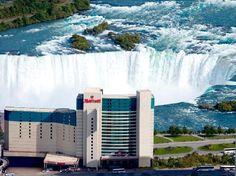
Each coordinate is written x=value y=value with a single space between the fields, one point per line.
x=104 y=131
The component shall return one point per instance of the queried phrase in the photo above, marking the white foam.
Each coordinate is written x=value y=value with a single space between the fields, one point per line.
x=55 y=80
x=33 y=30
x=6 y=36
x=222 y=2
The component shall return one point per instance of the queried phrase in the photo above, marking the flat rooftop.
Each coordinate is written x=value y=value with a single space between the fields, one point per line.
x=119 y=96
x=60 y=159
x=10 y=108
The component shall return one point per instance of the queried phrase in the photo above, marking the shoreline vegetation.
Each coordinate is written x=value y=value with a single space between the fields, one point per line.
x=224 y=106
x=19 y=13
x=184 y=134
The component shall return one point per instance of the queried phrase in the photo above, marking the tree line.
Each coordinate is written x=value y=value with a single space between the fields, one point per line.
x=27 y=12
x=208 y=130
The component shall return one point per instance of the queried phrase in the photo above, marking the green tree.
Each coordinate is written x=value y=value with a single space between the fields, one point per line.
x=220 y=130
x=230 y=131
x=209 y=130
x=174 y=130
x=155 y=132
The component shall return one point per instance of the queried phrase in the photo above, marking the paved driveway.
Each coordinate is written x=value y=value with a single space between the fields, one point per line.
x=192 y=144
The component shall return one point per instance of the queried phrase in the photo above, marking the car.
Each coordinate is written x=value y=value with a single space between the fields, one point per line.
x=66 y=171
x=227 y=167
x=118 y=170
x=10 y=174
x=229 y=151
x=204 y=168
x=47 y=170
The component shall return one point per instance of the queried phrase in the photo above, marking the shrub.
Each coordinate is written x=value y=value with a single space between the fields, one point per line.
x=97 y=29
x=126 y=41
x=80 y=42
x=193 y=160
x=226 y=106
x=82 y=4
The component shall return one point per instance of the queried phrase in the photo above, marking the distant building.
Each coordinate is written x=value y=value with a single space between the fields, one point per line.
x=104 y=131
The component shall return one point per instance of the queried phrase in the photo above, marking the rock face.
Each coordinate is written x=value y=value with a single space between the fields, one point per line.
x=126 y=41
x=80 y=42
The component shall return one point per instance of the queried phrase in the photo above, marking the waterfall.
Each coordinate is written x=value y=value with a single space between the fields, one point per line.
x=55 y=80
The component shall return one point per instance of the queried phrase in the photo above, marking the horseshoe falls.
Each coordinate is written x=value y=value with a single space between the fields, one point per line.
x=55 y=80
x=187 y=54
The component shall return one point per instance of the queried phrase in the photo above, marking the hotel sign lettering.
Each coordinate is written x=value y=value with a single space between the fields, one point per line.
x=92 y=100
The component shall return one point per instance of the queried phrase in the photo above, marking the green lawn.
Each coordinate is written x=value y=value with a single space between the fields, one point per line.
x=216 y=147
x=184 y=138
x=160 y=140
x=172 y=150
x=220 y=137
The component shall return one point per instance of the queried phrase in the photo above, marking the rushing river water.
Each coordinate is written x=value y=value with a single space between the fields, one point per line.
x=187 y=54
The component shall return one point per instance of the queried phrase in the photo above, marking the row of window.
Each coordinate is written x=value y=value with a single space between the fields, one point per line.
x=41 y=131
x=49 y=117
x=92 y=130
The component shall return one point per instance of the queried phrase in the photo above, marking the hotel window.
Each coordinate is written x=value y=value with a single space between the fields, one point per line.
x=51 y=131
x=41 y=131
x=74 y=134
x=63 y=133
x=29 y=130
x=20 y=127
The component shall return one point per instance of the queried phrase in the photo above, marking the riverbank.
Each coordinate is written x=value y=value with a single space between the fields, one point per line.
x=22 y=13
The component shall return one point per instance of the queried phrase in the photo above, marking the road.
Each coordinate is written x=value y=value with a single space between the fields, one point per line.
x=169 y=172
x=192 y=144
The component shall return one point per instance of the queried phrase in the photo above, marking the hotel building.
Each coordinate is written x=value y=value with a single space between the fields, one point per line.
x=103 y=131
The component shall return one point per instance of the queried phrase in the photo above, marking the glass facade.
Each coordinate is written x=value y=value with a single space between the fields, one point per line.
x=119 y=104
x=67 y=117
x=119 y=126
x=153 y=103
x=80 y=102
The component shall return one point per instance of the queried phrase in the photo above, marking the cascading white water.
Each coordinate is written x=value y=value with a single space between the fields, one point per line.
x=55 y=80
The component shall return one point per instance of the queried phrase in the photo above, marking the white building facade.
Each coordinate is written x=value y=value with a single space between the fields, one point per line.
x=103 y=131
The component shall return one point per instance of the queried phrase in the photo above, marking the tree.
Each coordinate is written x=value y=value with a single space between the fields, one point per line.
x=174 y=130
x=220 y=130
x=155 y=132
x=209 y=130
x=230 y=131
